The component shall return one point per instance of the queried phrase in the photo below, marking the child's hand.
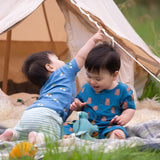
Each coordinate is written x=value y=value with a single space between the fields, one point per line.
x=77 y=105
x=120 y=120
x=124 y=118
x=90 y=44
x=99 y=36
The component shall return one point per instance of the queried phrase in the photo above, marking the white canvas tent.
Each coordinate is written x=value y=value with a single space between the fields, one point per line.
x=44 y=30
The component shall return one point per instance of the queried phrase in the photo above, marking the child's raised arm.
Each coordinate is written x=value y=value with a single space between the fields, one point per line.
x=83 y=52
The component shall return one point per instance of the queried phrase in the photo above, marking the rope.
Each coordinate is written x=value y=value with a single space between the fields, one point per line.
x=113 y=41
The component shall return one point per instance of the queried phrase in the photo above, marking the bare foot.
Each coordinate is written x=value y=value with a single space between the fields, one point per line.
x=7 y=135
x=32 y=137
x=117 y=134
x=66 y=136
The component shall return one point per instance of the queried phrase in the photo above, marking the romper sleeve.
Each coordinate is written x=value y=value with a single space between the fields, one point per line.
x=71 y=68
x=128 y=99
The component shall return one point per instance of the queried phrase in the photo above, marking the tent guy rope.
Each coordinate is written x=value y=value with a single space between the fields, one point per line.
x=113 y=41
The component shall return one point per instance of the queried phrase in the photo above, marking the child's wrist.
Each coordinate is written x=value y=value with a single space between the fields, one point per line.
x=92 y=41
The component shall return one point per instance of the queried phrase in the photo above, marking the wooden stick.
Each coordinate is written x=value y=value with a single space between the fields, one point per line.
x=48 y=27
x=6 y=62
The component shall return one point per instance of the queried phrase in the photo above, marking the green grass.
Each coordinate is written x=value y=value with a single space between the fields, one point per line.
x=152 y=89
x=120 y=154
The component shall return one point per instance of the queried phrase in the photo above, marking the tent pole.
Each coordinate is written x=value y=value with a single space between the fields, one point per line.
x=47 y=23
x=6 y=62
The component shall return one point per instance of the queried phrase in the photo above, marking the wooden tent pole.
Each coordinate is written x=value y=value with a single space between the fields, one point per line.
x=47 y=23
x=6 y=62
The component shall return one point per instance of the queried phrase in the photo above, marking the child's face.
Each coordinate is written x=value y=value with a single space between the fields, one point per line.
x=102 y=80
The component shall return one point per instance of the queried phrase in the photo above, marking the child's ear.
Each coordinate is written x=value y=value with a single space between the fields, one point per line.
x=50 y=67
x=115 y=74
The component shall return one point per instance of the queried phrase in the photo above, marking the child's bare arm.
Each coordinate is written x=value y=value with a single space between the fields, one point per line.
x=83 y=52
x=124 y=118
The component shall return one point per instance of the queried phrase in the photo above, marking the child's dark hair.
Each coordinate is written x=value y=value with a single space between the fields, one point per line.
x=34 y=67
x=103 y=56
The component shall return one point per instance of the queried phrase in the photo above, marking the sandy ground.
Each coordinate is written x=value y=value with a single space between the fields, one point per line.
x=12 y=107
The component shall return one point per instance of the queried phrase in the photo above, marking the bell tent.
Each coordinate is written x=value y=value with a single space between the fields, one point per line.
x=63 y=26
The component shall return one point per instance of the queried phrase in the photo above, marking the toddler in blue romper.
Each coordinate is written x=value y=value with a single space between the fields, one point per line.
x=109 y=103
x=103 y=107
